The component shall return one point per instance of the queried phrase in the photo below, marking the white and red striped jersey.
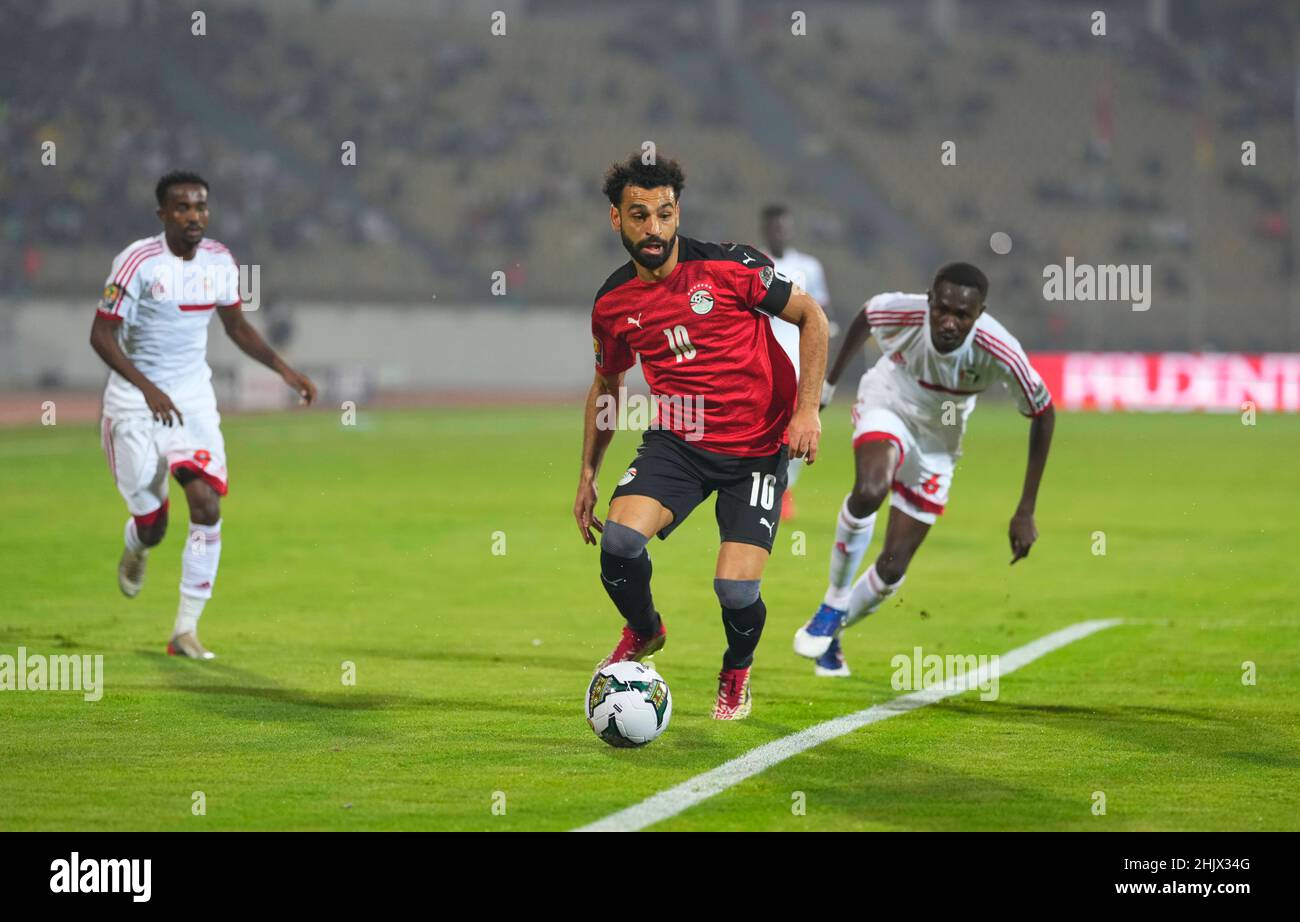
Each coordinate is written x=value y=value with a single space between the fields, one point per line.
x=164 y=304
x=938 y=390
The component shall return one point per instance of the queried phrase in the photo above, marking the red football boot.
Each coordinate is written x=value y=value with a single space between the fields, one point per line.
x=734 y=699
x=634 y=646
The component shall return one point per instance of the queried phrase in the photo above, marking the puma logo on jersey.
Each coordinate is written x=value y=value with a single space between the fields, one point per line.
x=747 y=259
x=768 y=525
x=635 y=321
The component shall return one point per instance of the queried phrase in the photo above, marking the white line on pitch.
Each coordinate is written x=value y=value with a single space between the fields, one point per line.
x=673 y=801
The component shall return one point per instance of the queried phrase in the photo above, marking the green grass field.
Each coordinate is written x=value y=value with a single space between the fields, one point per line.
x=374 y=545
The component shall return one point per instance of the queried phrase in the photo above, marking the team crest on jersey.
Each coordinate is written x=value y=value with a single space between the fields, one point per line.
x=970 y=375
x=765 y=276
x=111 y=295
x=157 y=289
x=600 y=353
x=701 y=298
x=627 y=477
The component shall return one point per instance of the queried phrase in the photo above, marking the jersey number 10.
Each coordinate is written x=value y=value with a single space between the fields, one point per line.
x=680 y=342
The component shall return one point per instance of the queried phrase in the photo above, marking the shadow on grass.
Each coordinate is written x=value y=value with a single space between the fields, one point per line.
x=1204 y=734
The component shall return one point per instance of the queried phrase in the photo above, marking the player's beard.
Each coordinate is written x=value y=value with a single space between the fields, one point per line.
x=649 y=262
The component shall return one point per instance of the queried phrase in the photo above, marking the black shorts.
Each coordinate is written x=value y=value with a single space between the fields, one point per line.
x=681 y=476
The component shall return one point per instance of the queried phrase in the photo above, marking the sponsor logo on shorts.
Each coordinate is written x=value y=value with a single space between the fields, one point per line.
x=628 y=475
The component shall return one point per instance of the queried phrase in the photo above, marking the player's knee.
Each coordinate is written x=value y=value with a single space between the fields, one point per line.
x=736 y=593
x=152 y=533
x=622 y=541
x=867 y=494
x=205 y=509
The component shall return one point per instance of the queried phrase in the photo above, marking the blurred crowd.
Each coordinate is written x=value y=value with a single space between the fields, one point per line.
x=475 y=154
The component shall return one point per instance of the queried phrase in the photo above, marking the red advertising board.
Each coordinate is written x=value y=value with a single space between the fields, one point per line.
x=1172 y=380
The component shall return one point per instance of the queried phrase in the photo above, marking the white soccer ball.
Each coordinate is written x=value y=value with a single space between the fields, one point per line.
x=628 y=704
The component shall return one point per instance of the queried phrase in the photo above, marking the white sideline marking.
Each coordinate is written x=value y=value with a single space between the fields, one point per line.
x=673 y=801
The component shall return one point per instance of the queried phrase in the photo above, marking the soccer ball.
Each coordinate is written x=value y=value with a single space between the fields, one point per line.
x=628 y=704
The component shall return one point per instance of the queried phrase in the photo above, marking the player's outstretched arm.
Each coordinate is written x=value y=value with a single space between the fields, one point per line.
x=854 y=340
x=103 y=339
x=1023 y=532
x=244 y=335
x=595 y=439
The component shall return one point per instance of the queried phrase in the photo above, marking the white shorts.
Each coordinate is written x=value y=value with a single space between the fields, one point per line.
x=924 y=473
x=142 y=452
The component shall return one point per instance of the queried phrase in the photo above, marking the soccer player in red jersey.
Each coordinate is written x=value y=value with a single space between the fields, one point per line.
x=729 y=417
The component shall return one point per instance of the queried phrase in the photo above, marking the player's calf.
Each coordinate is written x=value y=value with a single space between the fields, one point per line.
x=869 y=593
x=200 y=560
x=141 y=533
x=869 y=491
x=625 y=572
x=743 y=617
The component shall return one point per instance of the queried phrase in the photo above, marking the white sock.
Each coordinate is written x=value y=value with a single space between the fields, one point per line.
x=133 y=542
x=868 y=594
x=852 y=537
x=792 y=473
x=198 y=572
x=188 y=614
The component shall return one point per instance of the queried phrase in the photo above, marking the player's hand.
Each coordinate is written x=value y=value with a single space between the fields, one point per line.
x=1023 y=534
x=584 y=510
x=302 y=384
x=805 y=433
x=161 y=406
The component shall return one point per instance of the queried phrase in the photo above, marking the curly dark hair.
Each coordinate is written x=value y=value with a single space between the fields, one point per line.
x=634 y=172
x=965 y=275
x=177 y=178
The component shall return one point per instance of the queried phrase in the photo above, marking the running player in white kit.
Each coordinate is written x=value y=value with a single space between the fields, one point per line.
x=941 y=350
x=160 y=414
x=806 y=272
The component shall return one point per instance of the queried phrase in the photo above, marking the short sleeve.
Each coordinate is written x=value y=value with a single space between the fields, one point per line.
x=613 y=356
x=893 y=310
x=1016 y=372
x=122 y=287
x=760 y=286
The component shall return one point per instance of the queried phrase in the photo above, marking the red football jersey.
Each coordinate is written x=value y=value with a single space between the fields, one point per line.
x=703 y=336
